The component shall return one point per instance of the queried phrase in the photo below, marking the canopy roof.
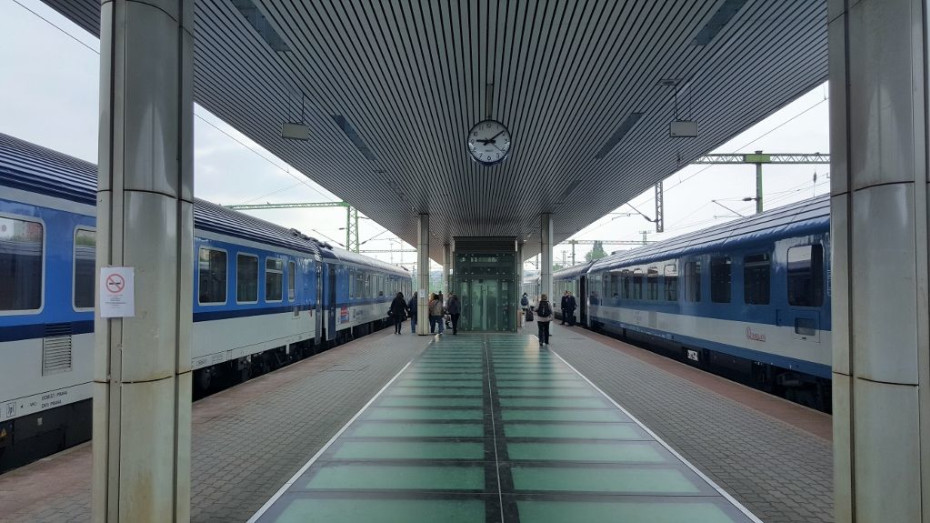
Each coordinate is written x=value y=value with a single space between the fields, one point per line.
x=587 y=89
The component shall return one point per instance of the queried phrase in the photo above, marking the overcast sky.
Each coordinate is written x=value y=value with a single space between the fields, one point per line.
x=49 y=87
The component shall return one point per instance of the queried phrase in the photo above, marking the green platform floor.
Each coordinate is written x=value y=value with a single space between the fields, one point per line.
x=491 y=428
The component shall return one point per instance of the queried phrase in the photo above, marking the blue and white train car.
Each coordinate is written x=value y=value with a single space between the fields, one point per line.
x=260 y=292
x=358 y=291
x=749 y=299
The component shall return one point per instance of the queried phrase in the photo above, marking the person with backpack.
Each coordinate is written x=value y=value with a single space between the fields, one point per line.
x=543 y=317
x=435 y=313
x=455 y=310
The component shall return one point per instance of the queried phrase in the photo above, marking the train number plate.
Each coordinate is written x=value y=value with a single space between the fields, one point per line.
x=693 y=355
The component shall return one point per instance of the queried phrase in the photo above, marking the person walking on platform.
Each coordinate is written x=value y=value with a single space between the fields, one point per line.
x=442 y=313
x=564 y=307
x=398 y=311
x=524 y=302
x=543 y=317
x=412 y=307
x=455 y=310
x=569 y=310
x=435 y=312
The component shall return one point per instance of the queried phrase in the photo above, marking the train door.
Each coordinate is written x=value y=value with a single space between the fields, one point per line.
x=583 y=299
x=805 y=291
x=318 y=309
x=330 y=278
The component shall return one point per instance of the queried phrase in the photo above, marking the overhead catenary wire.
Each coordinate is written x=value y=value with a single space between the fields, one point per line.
x=303 y=181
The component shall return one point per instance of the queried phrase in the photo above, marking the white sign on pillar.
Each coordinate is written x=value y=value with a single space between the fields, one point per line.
x=117 y=292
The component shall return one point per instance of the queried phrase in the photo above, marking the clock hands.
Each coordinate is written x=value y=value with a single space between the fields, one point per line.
x=492 y=139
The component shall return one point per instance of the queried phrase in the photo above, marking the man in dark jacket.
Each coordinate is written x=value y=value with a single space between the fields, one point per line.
x=455 y=309
x=570 y=309
x=398 y=311
x=564 y=307
x=412 y=310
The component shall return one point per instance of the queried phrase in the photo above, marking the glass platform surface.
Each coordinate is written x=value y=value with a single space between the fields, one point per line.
x=492 y=428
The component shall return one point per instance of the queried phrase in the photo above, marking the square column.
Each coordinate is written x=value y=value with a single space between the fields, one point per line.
x=879 y=219
x=446 y=269
x=423 y=275
x=142 y=368
x=545 y=256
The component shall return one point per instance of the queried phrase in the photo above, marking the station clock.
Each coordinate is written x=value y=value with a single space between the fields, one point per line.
x=489 y=142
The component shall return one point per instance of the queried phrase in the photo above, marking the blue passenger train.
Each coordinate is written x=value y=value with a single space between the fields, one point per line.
x=749 y=299
x=264 y=296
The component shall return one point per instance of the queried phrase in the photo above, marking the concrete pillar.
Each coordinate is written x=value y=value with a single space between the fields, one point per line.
x=142 y=370
x=423 y=275
x=545 y=255
x=446 y=269
x=881 y=359
x=519 y=285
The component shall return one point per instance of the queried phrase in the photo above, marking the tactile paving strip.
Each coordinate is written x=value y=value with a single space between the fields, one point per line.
x=492 y=428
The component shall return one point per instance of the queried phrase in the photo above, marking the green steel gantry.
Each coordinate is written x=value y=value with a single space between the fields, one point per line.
x=758 y=159
x=351 y=227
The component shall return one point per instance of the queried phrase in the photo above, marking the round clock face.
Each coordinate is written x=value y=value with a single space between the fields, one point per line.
x=489 y=142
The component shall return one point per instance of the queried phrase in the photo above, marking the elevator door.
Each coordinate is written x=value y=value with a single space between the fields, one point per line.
x=486 y=305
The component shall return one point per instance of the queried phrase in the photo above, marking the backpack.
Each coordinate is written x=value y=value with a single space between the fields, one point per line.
x=544 y=310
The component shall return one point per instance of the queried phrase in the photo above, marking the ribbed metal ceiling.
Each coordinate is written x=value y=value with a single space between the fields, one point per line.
x=391 y=89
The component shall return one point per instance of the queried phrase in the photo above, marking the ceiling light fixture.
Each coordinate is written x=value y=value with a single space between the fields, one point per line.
x=353 y=136
x=716 y=23
x=618 y=135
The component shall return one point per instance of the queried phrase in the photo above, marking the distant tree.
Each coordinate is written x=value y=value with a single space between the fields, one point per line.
x=596 y=253
x=557 y=267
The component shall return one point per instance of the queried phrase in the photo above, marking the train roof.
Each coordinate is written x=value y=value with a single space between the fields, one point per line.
x=33 y=168
x=805 y=217
x=335 y=253
x=574 y=270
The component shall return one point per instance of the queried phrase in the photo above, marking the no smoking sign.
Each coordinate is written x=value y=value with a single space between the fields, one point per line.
x=117 y=299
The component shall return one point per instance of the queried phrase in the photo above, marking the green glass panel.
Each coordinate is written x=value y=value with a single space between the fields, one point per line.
x=611 y=431
x=696 y=511
x=397 y=477
x=614 y=452
x=563 y=415
x=400 y=401
x=417 y=430
x=436 y=391
x=375 y=450
x=626 y=480
x=421 y=414
x=548 y=393
x=383 y=510
x=439 y=383
x=555 y=402
x=542 y=383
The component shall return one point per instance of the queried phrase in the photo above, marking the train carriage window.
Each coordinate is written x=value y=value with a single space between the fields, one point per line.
x=637 y=287
x=720 y=279
x=626 y=284
x=211 y=275
x=291 y=280
x=85 y=260
x=805 y=276
x=615 y=282
x=246 y=278
x=693 y=281
x=652 y=283
x=757 y=270
x=274 y=279
x=21 y=262
x=671 y=282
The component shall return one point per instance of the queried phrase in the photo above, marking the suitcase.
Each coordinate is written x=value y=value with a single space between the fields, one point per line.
x=529 y=315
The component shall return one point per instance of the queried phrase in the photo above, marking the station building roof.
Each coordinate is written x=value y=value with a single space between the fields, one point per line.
x=390 y=90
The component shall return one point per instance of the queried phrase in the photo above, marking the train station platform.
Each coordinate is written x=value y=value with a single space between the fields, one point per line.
x=481 y=427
